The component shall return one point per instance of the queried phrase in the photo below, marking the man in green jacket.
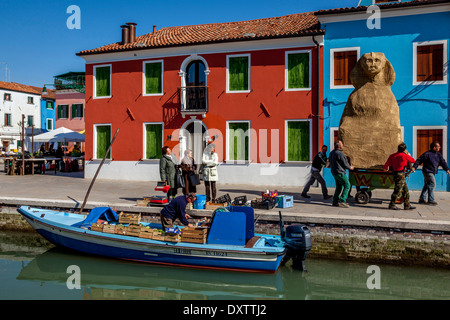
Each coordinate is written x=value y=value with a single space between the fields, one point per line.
x=339 y=165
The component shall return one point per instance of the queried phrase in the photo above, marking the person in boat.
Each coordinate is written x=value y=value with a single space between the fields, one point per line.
x=176 y=209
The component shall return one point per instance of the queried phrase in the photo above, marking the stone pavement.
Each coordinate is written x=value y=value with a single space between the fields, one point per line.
x=68 y=190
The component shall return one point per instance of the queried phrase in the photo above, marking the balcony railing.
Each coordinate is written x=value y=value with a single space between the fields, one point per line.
x=193 y=99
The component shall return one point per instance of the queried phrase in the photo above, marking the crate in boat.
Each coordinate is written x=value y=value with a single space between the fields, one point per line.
x=173 y=237
x=133 y=230
x=109 y=228
x=158 y=235
x=121 y=229
x=97 y=227
x=146 y=233
x=194 y=235
x=214 y=206
x=130 y=218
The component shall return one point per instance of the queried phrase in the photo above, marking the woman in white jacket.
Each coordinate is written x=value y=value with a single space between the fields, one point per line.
x=210 y=161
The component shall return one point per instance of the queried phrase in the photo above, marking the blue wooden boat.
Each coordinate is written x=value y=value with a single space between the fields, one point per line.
x=231 y=242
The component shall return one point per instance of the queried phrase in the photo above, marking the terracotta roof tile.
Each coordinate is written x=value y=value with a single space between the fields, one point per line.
x=14 y=86
x=293 y=25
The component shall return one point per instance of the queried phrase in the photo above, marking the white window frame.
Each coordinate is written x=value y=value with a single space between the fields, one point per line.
x=144 y=79
x=95 y=81
x=46 y=124
x=286 y=79
x=94 y=153
x=444 y=139
x=444 y=62
x=286 y=153
x=144 y=138
x=228 y=75
x=332 y=51
x=228 y=160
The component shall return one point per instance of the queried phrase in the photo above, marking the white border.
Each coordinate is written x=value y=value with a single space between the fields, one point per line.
x=444 y=62
x=286 y=140
x=95 y=81
x=144 y=82
x=332 y=51
x=94 y=151
x=286 y=70
x=144 y=133
x=249 y=133
x=249 y=74
x=444 y=139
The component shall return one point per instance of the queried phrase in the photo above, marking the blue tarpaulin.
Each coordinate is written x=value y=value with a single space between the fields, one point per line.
x=102 y=213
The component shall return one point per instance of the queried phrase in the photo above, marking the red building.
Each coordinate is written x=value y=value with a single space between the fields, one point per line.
x=251 y=87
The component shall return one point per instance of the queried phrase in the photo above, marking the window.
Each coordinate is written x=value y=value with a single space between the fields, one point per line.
x=297 y=70
x=50 y=104
x=77 y=110
x=49 y=124
x=102 y=82
x=238 y=73
x=342 y=62
x=102 y=141
x=7 y=97
x=30 y=121
x=63 y=111
x=425 y=136
x=153 y=140
x=153 y=78
x=7 y=119
x=430 y=60
x=30 y=100
x=238 y=146
x=298 y=140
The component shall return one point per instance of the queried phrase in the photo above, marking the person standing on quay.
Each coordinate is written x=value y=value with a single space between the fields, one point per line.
x=399 y=162
x=167 y=171
x=431 y=160
x=338 y=166
x=210 y=160
x=319 y=161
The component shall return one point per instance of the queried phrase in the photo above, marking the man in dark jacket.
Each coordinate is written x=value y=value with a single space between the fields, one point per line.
x=431 y=160
x=339 y=165
x=176 y=209
x=319 y=161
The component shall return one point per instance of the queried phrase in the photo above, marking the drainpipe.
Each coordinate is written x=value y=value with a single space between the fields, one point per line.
x=318 y=91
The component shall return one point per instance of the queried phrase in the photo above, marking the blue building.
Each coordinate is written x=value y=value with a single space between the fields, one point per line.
x=414 y=37
x=48 y=117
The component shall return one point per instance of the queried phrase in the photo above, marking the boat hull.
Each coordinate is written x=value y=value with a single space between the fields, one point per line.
x=154 y=251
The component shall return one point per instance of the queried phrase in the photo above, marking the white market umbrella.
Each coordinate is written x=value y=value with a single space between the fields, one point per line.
x=59 y=135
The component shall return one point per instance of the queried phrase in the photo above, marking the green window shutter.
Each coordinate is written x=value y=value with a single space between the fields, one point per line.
x=298 y=141
x=103 y=141
x=238 y=77
x=238 y=135
x=103 y=81
x=298 y=70
x=74 y=111
x=153 y=77
x=154 y=141
x=59 y=111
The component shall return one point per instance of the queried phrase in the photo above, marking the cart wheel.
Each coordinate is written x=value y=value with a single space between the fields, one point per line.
x=362 y=197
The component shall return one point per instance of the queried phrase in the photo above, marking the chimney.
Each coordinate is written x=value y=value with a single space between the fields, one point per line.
x=154 y=28
x=125 y=34
x=132 y=29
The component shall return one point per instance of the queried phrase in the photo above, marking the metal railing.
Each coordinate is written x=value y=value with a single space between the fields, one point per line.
x=193 y=98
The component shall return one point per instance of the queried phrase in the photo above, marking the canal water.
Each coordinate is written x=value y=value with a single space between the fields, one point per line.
x=31 y=268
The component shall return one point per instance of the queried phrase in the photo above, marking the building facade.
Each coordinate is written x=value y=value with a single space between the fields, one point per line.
x=414 y=36
x=17 y=100
x=249 y=87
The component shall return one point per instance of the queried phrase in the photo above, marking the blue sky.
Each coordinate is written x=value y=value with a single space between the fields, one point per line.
x=37 y=45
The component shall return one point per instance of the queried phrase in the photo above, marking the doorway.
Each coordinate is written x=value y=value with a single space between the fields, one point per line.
x=193 y=135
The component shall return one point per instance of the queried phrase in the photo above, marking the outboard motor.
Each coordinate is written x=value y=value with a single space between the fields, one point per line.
x=297 y=241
